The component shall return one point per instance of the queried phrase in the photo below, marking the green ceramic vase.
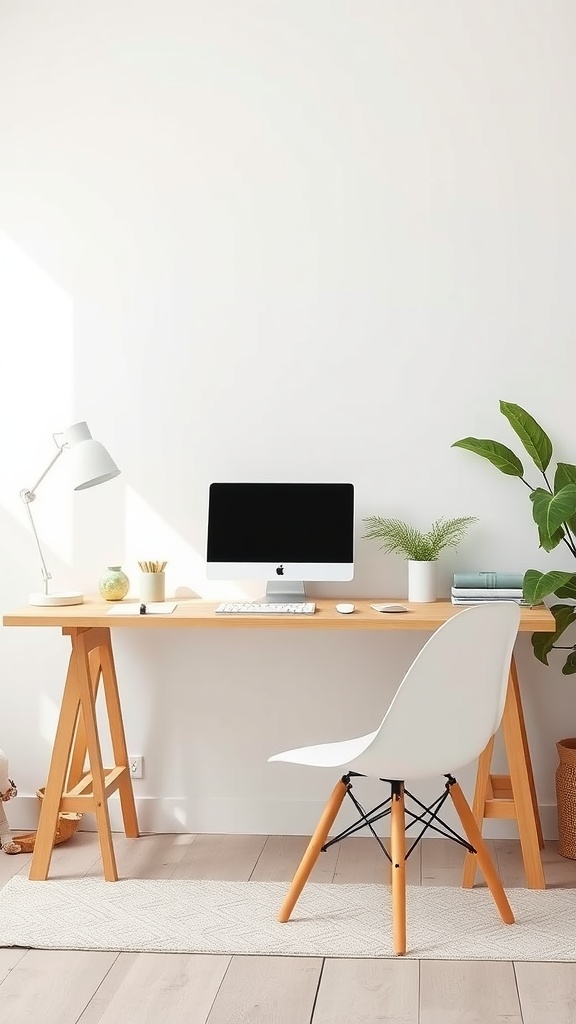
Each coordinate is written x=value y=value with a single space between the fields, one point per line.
x=113 y=584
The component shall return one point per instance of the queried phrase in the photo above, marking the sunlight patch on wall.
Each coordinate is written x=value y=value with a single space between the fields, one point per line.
x=36 y=394
x=180 y=815
x=150 y=538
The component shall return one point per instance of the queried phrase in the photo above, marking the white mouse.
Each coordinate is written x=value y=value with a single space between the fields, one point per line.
x=345 y=609
x=389 y=607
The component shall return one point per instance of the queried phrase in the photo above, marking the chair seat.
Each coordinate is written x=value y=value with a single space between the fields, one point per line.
x=327 y=755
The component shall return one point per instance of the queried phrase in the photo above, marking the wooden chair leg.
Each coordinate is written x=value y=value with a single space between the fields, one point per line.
x=484 y=859
x=313 y=850
x=398 y=854
x=478 y=805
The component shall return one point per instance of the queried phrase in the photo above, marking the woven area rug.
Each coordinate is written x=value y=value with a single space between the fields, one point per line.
x=330 y=920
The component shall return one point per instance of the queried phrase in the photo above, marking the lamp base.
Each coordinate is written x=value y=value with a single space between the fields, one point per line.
x=56 y=600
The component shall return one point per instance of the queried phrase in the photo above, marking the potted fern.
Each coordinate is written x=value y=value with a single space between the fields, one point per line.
x=422 y=550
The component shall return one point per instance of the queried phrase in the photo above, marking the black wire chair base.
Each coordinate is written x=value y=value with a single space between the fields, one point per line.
x=428 y=817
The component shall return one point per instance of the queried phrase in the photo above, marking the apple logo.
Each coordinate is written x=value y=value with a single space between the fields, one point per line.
x=280 y=570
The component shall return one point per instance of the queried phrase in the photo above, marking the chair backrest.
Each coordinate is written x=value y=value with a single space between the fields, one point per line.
x=451 y=699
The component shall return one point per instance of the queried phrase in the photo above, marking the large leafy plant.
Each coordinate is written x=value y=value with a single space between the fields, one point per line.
x=553 y=511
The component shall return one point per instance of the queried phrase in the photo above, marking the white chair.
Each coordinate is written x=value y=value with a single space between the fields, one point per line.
x=445 y=710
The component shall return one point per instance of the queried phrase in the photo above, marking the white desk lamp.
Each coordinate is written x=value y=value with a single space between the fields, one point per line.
x=89 y=464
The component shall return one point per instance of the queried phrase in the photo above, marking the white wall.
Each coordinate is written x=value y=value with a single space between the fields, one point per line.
x=275 y=240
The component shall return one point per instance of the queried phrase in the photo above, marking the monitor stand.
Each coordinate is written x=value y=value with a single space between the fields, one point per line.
x=285 y=592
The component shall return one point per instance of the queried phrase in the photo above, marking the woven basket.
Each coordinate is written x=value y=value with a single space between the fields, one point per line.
x=566 y=798
x=68 y=822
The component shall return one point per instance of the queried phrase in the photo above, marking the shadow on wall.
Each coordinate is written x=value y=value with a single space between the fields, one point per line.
x=36 y=325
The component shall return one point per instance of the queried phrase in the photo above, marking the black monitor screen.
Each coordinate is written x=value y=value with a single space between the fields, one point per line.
x=281 y=523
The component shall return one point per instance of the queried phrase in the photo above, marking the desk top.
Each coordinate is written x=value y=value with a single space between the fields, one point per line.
x=195 y=612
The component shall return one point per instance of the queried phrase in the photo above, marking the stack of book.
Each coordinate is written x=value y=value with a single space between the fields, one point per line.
x=478 y=587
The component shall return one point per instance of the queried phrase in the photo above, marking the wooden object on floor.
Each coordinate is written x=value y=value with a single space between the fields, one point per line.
x=314 y=848
x=69 y=786
x=513 y=795
x=66 y=777
x=398 y=855
x=485 y=863
x=68 y=822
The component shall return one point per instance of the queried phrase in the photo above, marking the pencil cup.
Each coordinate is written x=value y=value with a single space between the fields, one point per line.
x=152 y=586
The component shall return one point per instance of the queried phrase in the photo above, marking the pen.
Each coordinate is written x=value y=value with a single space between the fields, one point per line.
x=142 y=609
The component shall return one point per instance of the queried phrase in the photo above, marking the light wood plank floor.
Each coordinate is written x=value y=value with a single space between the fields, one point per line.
x=62 y=987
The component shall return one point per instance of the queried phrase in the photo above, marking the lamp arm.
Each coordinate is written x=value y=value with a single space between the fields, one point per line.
x=45 y=574
x=28 y=496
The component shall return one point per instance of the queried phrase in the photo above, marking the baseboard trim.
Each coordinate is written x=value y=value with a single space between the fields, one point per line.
x=241 y=817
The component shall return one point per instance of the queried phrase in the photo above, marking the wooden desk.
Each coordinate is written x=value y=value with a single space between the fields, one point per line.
x=71 y=787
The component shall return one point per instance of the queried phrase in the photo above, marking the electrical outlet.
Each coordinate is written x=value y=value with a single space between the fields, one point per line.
x=136 y=765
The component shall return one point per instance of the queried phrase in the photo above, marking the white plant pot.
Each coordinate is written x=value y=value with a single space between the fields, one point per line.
x=421 y=581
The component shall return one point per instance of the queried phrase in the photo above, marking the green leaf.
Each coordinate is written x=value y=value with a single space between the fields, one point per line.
x=542 y=644
x=549 y=543
x=562 y=508
x=551 y=510
x=535 y=440
x=569 y=591
x=564 y=616
x=570 y=667
x=498 y=454
x=540 y=502
x=565 y=474
x=537 y=585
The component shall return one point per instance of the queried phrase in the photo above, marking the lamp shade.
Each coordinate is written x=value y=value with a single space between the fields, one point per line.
x=89 y=463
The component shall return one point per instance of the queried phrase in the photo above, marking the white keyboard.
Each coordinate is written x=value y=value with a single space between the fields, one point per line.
x=302 y=608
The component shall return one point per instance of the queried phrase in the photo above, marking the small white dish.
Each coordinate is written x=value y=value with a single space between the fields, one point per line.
x=389 y=608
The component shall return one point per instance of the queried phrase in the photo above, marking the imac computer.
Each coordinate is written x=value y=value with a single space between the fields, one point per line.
x=284 y=533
